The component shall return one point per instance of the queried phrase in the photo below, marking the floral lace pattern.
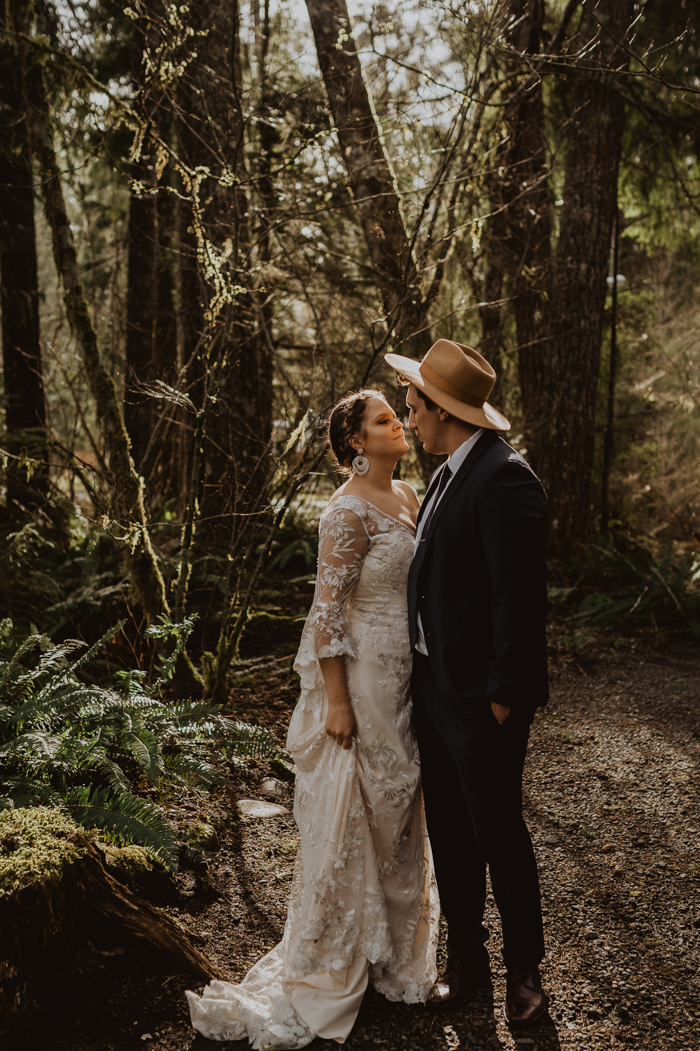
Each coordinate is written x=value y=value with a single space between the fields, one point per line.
x=363 y=882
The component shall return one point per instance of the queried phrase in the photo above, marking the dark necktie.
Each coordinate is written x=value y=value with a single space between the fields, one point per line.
x=442 y=483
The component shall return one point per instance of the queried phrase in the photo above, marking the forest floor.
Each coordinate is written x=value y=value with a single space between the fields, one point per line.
x=612 y=803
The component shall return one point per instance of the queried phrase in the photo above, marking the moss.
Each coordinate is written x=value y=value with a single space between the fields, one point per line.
x=36 y=843
x=202 y=835
x=136 y=867
x=134 y=862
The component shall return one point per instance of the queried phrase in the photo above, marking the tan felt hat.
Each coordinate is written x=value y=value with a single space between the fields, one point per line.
x=457 y=378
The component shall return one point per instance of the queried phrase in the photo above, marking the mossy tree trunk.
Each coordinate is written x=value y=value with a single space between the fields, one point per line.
x=25 y=410
x=127 y=502
x=58 y=932
x=140 y=308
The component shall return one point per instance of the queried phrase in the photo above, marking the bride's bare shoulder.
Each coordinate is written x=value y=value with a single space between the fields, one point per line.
x=340 y=491
x=349 y=500
x=408 y=492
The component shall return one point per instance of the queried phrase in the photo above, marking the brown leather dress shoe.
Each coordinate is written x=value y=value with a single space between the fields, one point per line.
x=460 y=978
x=526 y=1001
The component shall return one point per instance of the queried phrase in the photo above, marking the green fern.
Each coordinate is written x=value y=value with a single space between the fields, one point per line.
x=254 y=742
x=84 y=748
x=124 y=819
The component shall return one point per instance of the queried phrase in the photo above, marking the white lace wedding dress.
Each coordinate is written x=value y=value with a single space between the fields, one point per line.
x=364 y=904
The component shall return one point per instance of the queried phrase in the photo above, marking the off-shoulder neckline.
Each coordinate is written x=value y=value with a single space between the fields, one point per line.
x=350 y=496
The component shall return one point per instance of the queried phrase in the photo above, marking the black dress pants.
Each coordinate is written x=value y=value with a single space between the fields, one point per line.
x=472 y=785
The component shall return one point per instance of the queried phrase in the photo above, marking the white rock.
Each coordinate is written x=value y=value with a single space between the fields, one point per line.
x=259 y=808
x=271 y=788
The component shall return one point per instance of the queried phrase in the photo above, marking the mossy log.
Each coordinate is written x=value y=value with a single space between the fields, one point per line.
x=63 y=916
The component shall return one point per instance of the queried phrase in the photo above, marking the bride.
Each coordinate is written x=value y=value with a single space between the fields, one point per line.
x=363 y=905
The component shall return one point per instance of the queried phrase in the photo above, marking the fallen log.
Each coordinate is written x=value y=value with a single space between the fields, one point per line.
x=64 y=917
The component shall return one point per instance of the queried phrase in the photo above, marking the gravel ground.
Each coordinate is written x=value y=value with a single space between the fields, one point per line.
x=612 y=803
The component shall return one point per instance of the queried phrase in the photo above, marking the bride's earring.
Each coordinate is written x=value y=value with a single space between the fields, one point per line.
x=360 y=464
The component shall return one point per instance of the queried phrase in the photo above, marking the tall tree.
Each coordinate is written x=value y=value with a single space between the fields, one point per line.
x=151 y=342
x=25 y=411
x=558 y=288
x=127 y=504
x=370 y=176
x=140 y=308
x=224 y=338
x=563 y=400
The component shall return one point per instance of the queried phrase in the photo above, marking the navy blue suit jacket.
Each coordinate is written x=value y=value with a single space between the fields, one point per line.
x=478 y=579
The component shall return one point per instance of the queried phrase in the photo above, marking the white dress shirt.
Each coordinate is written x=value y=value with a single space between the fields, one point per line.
x=454 y=463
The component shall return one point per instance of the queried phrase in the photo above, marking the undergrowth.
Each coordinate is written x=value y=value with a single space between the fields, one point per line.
x=90 y=749
x=619 y=586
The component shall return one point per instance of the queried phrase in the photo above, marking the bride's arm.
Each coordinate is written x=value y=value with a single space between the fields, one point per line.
x=340 y=720
x=343 y=543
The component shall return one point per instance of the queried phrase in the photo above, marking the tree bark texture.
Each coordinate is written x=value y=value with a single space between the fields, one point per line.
x=491 y=311
x=25 y=410
x=559 y=291
x=370 y=176
x=228 y=358
x=127 y=504
x=526 y=194
x=151 y=340
x=140 y=311
x=564 y=400
x=62 y=931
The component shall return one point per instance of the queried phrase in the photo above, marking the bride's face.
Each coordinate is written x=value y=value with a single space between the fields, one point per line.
x=382 y=432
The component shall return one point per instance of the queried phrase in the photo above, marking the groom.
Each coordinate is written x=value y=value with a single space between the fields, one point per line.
x=476 y=601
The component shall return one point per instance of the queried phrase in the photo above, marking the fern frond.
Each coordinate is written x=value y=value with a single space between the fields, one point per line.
x=69 y=671
x=41 y=744
x=24 y=791
x=144 y=748
x=254 y=742
x=125 y=819
x=183 y=769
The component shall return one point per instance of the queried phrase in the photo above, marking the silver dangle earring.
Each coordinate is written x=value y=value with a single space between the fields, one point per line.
x=360 y=464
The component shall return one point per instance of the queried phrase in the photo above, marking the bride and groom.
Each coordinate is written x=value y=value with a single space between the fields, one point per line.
x=422 y=662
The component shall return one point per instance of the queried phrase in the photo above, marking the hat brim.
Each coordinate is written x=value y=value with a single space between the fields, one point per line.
x=486 y=416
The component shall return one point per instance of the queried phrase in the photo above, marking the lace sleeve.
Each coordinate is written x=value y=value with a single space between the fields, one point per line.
x=343 y=543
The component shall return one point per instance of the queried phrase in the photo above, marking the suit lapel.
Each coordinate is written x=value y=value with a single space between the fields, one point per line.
x=429 y=492
x=457 y=482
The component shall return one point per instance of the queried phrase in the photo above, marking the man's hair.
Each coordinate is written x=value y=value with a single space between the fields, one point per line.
x=429 y=403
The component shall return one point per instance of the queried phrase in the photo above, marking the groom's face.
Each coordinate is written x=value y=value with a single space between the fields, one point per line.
x=425 y=422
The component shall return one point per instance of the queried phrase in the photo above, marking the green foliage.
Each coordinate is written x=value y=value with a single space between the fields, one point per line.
x=60 y=586
x=254 y=742
x=35 y=844
x=622 y=585
x=86 y=749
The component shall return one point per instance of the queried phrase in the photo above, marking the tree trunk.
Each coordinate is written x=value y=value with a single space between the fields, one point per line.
x=229 y=358
x=370 y=176
x=526 y=193
x=564 y=400
x=151 y=342
x=25 y=412
x=63 y=930
x=140 y=311
x=127 y=505
x=491 y=311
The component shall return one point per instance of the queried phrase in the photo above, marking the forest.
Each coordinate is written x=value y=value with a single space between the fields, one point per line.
x=215 y=220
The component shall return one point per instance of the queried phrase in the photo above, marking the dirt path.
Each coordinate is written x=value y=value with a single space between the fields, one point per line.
x=612 y=802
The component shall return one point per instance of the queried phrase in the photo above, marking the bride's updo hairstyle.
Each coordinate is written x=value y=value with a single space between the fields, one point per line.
x=346 y=420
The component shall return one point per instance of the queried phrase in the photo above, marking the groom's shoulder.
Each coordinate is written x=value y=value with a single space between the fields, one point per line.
x=496 y=452
x=500 y=460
